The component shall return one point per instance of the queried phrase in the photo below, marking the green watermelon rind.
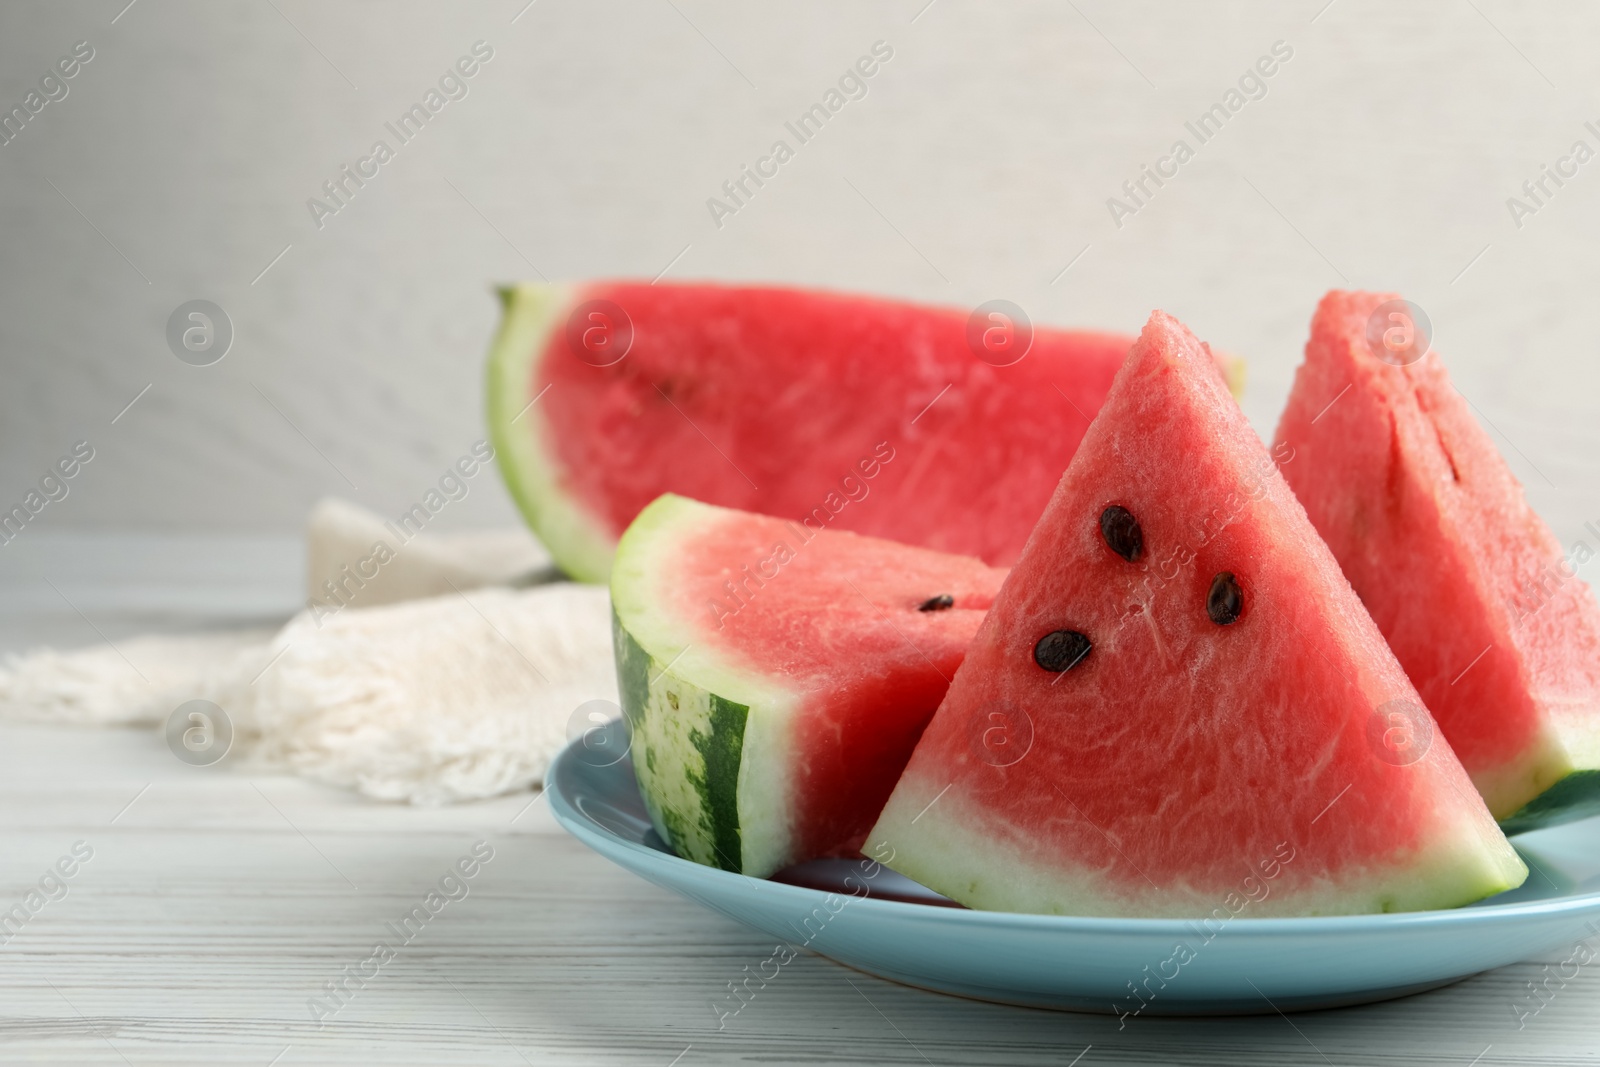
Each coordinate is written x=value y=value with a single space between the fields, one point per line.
x=707 y=736
x=704 y=826
x=576 y=538
x=1575 y=796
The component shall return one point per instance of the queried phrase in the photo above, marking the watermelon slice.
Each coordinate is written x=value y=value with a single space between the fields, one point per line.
x=1478 y=600
x=1177 y=706
x=776 y=677
x=769 y=399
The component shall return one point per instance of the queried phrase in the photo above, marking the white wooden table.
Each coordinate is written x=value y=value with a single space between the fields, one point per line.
x=216 y=905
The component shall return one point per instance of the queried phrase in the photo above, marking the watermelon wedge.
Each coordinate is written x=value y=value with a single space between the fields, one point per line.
x=1177 y=706
x=1475 y=595
x=606 y=395
x=775 y=677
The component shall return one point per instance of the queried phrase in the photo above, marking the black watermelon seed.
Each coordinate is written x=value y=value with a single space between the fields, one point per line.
x=938 y=603
x=1225 y=600
x=1061 y=650
x=1122 y=532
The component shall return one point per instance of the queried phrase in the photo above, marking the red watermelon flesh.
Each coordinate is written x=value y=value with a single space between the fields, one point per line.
x=772 y=400
x=1472 y=590
x=776 y=676
x=1215 y=747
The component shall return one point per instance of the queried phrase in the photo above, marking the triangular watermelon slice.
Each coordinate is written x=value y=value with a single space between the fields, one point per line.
x=604 y=395
x=776 y=676
x=1177 y=706
x=1478 y=600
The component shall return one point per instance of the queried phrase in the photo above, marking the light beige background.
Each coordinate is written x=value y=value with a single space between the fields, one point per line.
x=980 y=160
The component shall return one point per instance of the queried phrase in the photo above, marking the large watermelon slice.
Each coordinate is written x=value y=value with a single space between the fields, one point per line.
x=1177 y=706
x=776 y=677
x=1475 y=595
x=606 y=395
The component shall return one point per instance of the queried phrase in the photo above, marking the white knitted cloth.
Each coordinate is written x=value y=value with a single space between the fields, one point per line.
x=461 y=696
x=453 y=697
x=99 y=687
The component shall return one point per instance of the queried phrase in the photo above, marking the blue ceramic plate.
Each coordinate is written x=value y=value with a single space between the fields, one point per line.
x=879 y=922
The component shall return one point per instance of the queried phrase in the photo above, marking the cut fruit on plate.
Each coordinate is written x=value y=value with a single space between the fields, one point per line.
x=1475 y=595
x=776 y=676
x=1178 y=707
x=604 y=396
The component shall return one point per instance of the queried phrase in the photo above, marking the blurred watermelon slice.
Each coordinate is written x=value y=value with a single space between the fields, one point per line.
x=603 y=396
x=1472 y=590
x=1177 y=706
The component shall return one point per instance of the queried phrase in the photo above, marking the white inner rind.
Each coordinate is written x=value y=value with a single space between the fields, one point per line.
x=1580 y=737
x=686 y=662
x=954 y=848
x=1552 y=755
x=580 y=541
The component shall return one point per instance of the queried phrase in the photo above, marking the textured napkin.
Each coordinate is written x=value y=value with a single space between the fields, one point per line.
x=451 y=697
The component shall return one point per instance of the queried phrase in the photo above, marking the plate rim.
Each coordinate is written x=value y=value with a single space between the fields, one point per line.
x=601 y=839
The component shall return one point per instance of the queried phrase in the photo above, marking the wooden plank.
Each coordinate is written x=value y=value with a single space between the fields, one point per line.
x=208 y=917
